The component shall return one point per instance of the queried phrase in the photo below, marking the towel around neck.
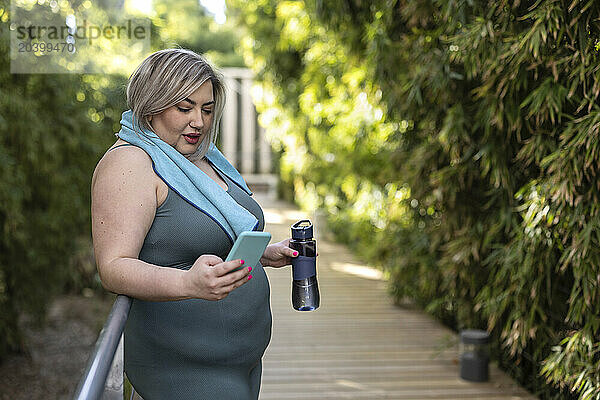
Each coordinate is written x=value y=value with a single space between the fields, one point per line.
x=190 y=182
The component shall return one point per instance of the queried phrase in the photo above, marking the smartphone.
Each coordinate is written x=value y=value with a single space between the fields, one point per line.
x=249 y=246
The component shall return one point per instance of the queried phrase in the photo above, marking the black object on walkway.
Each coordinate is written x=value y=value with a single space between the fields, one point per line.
x=474 y=355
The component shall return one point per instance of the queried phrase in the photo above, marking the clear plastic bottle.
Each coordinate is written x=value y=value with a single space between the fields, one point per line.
x=305 y=289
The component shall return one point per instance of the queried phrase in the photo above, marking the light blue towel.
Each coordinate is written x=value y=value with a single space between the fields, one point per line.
x=190 y=182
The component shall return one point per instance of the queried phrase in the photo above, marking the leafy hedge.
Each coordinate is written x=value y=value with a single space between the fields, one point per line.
x=455 y=143
x=53 y=128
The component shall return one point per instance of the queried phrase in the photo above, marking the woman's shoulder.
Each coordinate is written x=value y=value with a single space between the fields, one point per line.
x=121 y=144
x=126 y=153
x=122 y=158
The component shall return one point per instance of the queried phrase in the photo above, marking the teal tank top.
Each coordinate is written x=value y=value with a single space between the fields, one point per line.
x=197 y=349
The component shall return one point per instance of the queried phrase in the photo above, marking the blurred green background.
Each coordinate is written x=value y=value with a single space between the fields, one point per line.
x=453 y=143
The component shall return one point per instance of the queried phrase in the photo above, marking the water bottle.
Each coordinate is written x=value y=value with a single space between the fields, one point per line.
x=305 y=290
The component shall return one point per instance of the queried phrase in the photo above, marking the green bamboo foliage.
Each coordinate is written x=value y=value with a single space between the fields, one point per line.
x=456 y=144
x=52 y=130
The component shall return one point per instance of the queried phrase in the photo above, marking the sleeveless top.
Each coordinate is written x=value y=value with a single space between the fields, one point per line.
x=197 y=349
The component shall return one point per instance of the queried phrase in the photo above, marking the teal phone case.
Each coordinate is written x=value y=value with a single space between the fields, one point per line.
x=249 y=246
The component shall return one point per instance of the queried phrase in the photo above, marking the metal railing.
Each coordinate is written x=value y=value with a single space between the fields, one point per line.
x=92 y=385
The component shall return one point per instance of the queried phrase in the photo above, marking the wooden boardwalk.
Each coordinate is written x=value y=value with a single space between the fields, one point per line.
x=358 y=345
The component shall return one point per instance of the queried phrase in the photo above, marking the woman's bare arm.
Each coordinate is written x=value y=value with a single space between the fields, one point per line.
x=278 y=254
x=124 y=200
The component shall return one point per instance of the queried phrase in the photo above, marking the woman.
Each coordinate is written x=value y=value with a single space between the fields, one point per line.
x=166 y=208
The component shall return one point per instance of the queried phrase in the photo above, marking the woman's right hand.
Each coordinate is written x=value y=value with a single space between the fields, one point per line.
x=210 y=277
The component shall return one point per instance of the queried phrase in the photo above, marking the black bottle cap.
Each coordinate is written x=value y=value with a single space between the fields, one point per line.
x=302 y=230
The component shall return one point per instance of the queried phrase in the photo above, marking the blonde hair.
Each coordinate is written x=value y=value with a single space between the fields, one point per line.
x=165 y=78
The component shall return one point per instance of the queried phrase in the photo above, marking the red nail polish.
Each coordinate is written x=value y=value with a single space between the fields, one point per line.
x=249 y=277
x=295 y=253
x=242 y=262
x=249 y=269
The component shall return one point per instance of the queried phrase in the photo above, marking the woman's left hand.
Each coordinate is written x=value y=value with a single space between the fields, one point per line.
x=278 y=254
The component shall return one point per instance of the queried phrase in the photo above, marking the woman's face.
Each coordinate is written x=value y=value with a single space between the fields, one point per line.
x=186 y=124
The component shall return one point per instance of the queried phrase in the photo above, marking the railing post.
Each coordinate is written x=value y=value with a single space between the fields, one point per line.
x=114 y=383
x=243 y=140
x=92 y=384
x=248 y=115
